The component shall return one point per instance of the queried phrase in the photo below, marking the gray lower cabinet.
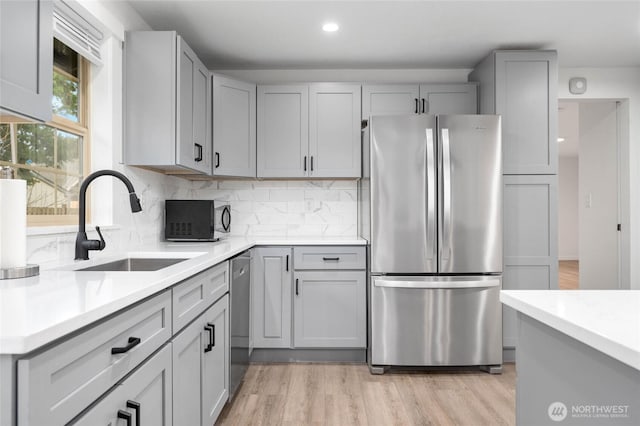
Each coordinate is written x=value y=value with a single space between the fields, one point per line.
x=521 y=86
x=201 y=367
x=26 y=58
x=167 y=118
x=234 y=127
x=55 y=385
x=530 y=240
x=272 y=278
x=144 y=398
x=325 y=304
x=330 y=309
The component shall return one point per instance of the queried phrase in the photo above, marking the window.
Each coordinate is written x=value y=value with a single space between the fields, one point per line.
x=53 y=157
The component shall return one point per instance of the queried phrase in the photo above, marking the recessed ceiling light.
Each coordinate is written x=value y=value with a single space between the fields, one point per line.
x=560 y=140
x=330 y=27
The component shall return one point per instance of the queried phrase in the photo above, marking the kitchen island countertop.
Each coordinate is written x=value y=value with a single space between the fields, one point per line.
x=38 y=310
x=606 y=320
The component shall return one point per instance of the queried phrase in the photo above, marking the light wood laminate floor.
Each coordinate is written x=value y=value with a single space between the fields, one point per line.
x=343 y=395
x=568 y=275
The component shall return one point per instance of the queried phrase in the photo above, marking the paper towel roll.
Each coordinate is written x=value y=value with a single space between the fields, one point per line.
x=13 y=223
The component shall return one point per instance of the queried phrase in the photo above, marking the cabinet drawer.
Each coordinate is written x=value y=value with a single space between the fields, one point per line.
x=192 y=296
x=330 y=257
x=55 y=385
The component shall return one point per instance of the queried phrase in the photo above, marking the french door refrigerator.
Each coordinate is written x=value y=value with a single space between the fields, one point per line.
x=434 y=201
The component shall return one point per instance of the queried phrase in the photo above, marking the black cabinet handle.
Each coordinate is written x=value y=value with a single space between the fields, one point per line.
x=331 y=258
x=312 y=163
x=135 y=406
x=305 y=163
x=423 y=108
x=297 y=287
x=211 y=337
x=217 y=160
x=199 y=156
x=213 y=334
x=287 y=268
x=126 y=416
x=132 y=342
x=416 y=110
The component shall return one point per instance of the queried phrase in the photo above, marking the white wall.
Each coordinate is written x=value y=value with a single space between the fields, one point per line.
x=568 y=208
x=598 y=196
x=619 y=83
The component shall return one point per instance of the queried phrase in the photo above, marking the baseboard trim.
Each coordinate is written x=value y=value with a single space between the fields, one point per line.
x=309 y=355
x=568 y=258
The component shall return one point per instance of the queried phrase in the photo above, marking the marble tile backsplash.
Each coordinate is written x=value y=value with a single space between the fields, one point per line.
x=286 y=208
x=266 y=208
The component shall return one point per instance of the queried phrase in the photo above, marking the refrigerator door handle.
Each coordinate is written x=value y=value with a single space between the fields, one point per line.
x=436 y=284
x=431 y=195
x=446 y=196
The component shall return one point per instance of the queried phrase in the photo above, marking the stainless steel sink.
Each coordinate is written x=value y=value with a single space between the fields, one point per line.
x=134 y=264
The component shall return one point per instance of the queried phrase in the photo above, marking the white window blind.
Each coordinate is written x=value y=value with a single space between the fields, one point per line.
x=77 y=32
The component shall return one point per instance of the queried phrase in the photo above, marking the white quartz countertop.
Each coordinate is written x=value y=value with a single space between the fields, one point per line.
x=37 y=311
x=607 y=320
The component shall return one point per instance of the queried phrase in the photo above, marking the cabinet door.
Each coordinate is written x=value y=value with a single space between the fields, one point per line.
x=193 y=148
x=234 y=127
x=459 y=98
x=188 y=352
x=283 y=131
x=272 y=297
x=215 y=362
x=530 y=240
x=330 y=309
x=334 y=130
x=526 y=97
x=26 y=58
x=390 y=99
x=150 y=386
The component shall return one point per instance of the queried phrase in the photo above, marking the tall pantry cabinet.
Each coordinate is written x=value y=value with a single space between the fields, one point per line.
x=521 y=86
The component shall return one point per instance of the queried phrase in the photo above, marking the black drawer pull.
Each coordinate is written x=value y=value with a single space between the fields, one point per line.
x=133 y=341
x=416 y=110
x=297 y=286
x=211 y=334
x=331 y=258
x=126 y=416
x=287 y=269
x=135 y=406
x=199 y=156
x=217 y=160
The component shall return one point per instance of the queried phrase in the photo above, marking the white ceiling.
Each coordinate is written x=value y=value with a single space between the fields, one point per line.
x=397 y=34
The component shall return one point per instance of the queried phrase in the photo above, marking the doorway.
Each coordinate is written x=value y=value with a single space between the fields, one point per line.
x=591 y=190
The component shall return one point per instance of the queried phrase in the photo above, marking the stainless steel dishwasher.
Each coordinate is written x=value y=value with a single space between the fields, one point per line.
x=240 y=291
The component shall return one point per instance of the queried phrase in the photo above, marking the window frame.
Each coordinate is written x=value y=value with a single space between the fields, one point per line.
x=80 y=128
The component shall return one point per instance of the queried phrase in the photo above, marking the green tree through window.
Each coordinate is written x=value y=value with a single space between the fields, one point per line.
x=51 y=156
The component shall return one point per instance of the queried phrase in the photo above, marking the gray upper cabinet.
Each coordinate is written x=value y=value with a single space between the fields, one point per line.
x=454 y=98
x=234 y=127
x=283 y=130
x=334 y=130
x=26 y=58
x=390 y=99
x=167 y=104
x=450 y=98
x=309 y=130
x=522 y=87
x=271 y=274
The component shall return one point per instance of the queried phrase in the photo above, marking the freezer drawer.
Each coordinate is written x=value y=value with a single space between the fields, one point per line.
x=432 y=321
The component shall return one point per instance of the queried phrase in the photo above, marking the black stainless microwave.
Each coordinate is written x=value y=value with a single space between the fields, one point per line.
x=195 y=220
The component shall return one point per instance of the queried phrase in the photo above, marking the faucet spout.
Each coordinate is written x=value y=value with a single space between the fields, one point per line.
x=83 y=245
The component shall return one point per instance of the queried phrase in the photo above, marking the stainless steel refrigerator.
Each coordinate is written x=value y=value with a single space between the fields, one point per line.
x=431 y=201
